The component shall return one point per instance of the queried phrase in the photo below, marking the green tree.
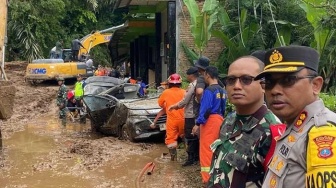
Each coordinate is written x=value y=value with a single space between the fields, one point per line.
x=201 y=22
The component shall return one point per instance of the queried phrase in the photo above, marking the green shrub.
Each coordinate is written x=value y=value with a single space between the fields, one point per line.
x=329 y=101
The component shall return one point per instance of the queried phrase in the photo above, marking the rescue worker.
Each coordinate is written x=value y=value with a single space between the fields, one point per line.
x=75 y=46
x=71 y=105
x=241 y=151
x=62 y=99
x=304 y=154
x=79 y=92
x=142 y=87
x=212 y=108
x=100 y=71
x=202 y=63
x=59 y=48
x=190 y=105
x=175 y=119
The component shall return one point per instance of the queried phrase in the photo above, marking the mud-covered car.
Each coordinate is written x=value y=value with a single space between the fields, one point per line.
x=115 y=109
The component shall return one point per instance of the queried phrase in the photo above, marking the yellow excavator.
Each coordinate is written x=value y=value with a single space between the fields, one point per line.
x=7 y=90
x=49 y=69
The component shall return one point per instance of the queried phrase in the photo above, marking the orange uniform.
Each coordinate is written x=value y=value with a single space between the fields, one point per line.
x=175 y=118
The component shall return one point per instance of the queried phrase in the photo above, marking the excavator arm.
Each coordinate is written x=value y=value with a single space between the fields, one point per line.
x=7 y=90
x=95 y=38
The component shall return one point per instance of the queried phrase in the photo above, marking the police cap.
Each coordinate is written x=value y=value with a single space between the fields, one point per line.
x=203 y=62
x=260 y=54
x=289 y=59
x=192 y=70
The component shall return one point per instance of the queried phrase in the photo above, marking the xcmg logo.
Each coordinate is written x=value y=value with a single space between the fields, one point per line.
x=107 y=38
x=38 y=71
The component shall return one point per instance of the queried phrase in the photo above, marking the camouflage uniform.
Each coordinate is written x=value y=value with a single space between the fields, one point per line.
x=239 y=154
x=62 y=102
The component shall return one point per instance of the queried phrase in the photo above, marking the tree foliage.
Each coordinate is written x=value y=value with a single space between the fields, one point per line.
x=34 y=26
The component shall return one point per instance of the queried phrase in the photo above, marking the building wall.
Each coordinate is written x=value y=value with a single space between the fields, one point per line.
x=212 y=50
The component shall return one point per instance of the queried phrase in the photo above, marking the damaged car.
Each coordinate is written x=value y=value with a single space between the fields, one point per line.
x=114 y=108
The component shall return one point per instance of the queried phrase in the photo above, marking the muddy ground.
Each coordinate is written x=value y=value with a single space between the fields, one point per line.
x=39 y=152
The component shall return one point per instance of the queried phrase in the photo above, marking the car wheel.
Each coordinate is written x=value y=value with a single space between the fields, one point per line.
x=125 y=134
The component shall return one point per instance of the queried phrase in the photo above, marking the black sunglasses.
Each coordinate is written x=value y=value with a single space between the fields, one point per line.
x=244 y=80
x=287 y=81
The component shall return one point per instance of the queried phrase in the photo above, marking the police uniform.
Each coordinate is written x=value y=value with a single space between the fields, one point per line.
x=304 y=154
x=61 y=101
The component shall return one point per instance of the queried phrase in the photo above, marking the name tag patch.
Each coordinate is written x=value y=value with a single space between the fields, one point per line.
x=321 y=179
x=284 y=150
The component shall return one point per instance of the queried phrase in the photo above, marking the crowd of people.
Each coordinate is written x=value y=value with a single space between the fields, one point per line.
x=71 y=100
x=279 y=135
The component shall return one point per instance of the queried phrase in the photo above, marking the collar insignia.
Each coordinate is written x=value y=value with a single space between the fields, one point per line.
x=301 y=119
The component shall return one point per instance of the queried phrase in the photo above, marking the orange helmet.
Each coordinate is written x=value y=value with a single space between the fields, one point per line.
x=175 y=79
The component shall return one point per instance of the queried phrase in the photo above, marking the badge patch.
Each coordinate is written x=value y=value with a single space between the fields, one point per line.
x=273 y=181
x=276 y=57
x=324 y=146
x=301 y=119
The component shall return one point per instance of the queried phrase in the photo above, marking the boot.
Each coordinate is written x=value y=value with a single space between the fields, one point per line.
x=63 y=119
x=190 y=160
x=173 y=153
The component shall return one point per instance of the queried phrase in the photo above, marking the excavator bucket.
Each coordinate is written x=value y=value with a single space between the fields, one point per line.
x=7 y=94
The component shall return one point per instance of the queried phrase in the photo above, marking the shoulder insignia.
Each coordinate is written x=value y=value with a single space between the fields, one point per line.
x=291 y=138
x=279 y=165
x=273 y=181
x=324 y=144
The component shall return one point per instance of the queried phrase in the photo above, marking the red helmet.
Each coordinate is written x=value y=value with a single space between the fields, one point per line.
x=70 y=94
x=175 y=79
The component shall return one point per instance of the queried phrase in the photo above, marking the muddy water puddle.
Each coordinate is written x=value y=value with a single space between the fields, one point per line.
x=46 y=154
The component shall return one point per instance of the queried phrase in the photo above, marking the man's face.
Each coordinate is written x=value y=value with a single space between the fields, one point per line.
x=206 y=77
x=287 y=94
x=242 y=90
x=79 y=78
x=60 y=82
x=190 y=77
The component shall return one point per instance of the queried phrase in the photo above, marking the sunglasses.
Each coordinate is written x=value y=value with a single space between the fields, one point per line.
x=287 y=81
x=244 y=80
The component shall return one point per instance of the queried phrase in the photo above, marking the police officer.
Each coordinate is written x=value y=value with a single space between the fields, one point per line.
x=61 y=100
x=304 y=154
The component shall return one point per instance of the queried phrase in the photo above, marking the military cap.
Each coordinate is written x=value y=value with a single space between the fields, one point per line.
x=192 y=70
x=60 y=79
x=289 y=59
x=260 y=54
x=202 y=62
